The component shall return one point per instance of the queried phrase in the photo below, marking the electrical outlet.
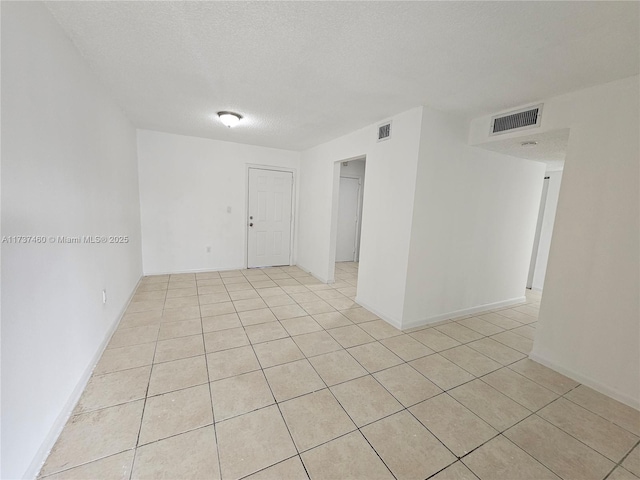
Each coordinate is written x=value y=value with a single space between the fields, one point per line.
x=104 y=296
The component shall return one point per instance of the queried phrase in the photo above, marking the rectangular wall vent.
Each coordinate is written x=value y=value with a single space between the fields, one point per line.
x=384 y=131
x=518 y=120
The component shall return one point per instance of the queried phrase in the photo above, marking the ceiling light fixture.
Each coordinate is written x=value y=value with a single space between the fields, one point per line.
x=230 y=119
x=528 y=144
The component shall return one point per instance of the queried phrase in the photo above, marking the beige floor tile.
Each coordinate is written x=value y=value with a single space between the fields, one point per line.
x=243 y=294
x=330 y=293
x=271 y=292
x=210 y=288
x=182 y=292
x=349 y=456
x=365 y=400
x=124 y=337
x=240 y=394
x=263 y=283
x=236 y=287
x=632 y=462
x=374 y=356
x=177 y=348
x=350 y=336
x=122 y=358
x=441 y=371
x=473 y=362
x=454 y=425
x=293 y=379
x=499 y=459
x=493 y=407
x=621 y=474
x=332 y=320
x=481 y=326
x=407 y=385
x=94 y=435
x=279 y=300
x=210 y=298
x=526 y=331
x=337 y=367
x=115 y=467
x=178 y=374
x=315 y=418
x=301 y=325
x=561 y=453
x=614 y=411
x=315 y=308
x=265 y=332
x=496 y=351
x=177 y=302
x=515 y=341
x=360 y=315
x=214 y=309
x=140 y=319
x=291 y=469
x=603 y=436
x=253 y=441
x=249 y=304
x=515 y=315
x=284 y=312
x=255 y=317
x=190 y=455
x=277 y=352
x=177 y=314
x=147 y=305
x=176 y=412
x=457 y=471
x=221 y=322
x=406 y=447
x=379 y=329
x=459 y=332
x=316 y=343
x=183 y=328
x=225 y=339
x=406 y=347
x=544 y=376
x=434 y=339
x=342 y=304
x=519 y=388
x=528 y=310
x=228 y=363
x=500 y=320
x=113 y=389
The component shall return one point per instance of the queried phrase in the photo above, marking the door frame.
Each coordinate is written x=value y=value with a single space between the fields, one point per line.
x=358 y=216
x=294 y=203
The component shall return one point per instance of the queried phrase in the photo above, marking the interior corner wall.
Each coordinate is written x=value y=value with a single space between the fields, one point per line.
x=68 y=169
x=473 y=226
x=187 y=186
x=546 y=232
x=387 y=210
x=589 y=323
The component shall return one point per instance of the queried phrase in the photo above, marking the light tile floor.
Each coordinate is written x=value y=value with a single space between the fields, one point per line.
x=270 y=374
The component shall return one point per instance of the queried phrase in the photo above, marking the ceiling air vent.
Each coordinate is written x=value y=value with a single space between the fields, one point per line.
x=518 y=120
x=384 y=131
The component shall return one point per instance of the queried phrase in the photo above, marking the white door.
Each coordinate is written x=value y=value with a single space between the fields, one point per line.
x=269 y=218
x=349 y=200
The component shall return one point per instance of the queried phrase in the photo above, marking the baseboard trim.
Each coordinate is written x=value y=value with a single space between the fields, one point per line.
x=587 y=381
x=196 y=270
x=387 y=318
x=50 y=439
x=463 y=312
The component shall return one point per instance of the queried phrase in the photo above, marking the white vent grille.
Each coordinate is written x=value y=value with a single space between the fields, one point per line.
x=384 y=131
x=518 y=120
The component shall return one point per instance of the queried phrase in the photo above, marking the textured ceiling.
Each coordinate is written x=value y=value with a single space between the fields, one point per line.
x=305 y=72
x=551 y=147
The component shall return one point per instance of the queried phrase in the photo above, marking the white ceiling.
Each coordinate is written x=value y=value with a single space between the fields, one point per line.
x=305 y=72
x=550 y=148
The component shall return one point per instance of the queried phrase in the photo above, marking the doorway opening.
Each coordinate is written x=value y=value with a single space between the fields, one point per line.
x=269 y=217
x=349 y=183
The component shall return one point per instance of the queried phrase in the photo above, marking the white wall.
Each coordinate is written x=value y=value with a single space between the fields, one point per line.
x=68 y=168
x=186 y=185
x=386 y=216
x=546 y=232
x=474 y=221
x=589 y=324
